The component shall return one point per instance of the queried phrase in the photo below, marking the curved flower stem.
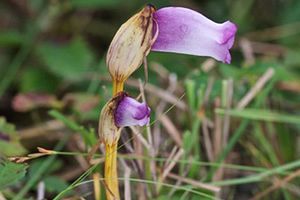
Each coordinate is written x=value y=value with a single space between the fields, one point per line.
x=110 y=172
x=117 y=86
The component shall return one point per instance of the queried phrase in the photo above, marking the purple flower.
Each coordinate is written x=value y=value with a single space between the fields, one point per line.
x=181 y=30
x=130 y=112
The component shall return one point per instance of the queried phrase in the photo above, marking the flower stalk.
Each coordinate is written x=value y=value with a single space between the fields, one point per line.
x=109 y=134
x=111 y=150
x=111 y=172
x=118 y=86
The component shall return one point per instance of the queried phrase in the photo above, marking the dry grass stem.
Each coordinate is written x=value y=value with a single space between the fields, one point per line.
x=127 y=174
x=171 y=155
x=256 y=88
x=140 y=137
x=247 y=51
x=178 y=182
x=173 y=162
x=208 y=90
x=194 y=183
x=207 y=141
x=171 y=129
x=149 y=135
x=226 y=119
x=208 y=65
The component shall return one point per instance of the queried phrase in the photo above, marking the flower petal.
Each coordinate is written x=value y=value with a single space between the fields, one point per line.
x=182 y=30
x=130 y=112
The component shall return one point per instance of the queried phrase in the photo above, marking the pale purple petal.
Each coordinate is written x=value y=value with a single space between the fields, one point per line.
x=130 y=112
x=185 y=31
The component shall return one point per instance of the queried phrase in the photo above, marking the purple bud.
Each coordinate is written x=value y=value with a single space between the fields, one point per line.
x=130 y=112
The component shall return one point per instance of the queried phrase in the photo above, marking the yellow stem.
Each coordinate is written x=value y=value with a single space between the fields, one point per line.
x=118 y=86
x=97 y=188
x=110 y=172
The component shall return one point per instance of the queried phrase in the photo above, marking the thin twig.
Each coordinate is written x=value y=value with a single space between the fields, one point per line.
x=217 y=131
x=171 y=155
x=247 y=51
x=140 y=138
x=256 y=88
x=172 y=164
x=195 y=183
x=149 y=135
x=179 y=181
x=208 y=65
x=171 y=129
x=127 y=173
x=229 y=96
x=207 y=141
x=208 y=90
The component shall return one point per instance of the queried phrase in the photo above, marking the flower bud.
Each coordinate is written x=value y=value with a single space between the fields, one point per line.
x=121 y=111
x=130 y=112
x=130 y=45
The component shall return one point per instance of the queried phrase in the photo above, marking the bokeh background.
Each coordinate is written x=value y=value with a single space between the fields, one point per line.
x=217 y=131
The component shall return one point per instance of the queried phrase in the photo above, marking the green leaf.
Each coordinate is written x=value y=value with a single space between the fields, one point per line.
x=69 y=61
x=10 y=173
x=55 y=184
x=11 y=37
x=36 y=79
x=13 y=148
x=9 y=140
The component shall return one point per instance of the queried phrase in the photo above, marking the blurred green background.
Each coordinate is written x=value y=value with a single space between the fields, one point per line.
x=54 y=82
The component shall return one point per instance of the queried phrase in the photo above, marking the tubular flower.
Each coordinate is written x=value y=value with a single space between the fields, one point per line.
x=121 y=111
x=170 y=29
x=181 y=30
